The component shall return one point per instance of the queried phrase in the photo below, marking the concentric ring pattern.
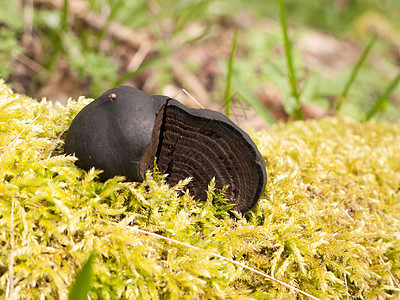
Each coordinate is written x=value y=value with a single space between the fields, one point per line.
x=203 y=148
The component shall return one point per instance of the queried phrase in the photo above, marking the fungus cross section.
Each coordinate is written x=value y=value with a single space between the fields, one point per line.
x=188 y=144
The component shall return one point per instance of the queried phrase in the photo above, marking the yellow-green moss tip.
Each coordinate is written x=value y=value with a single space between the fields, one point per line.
x=327 y=224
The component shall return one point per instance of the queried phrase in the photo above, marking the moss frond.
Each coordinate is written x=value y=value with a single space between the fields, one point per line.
x=328 y=222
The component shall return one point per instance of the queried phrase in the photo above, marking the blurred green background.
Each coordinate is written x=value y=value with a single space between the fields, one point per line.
x=67 y=48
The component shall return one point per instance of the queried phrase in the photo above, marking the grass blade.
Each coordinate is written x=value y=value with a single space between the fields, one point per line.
x=81 y=286
x=258 y=107
x=228 y=98
x=355 y=71
x=384 y=98
x=64 y=17
x=298 y=113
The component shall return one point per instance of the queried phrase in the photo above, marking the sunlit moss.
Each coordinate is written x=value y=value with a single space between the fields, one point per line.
x=330 y=216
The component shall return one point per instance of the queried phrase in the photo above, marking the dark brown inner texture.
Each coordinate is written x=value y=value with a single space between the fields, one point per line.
x=202 y=148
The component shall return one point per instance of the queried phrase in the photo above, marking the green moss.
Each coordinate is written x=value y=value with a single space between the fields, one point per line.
x=330 y=215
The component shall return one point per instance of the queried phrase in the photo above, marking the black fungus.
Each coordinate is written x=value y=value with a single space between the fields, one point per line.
x=123 y=130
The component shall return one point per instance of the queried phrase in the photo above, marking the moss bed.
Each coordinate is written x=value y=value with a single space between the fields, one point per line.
x=328 y=222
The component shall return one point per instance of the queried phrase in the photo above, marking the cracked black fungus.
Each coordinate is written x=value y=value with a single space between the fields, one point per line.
x=123 y=130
